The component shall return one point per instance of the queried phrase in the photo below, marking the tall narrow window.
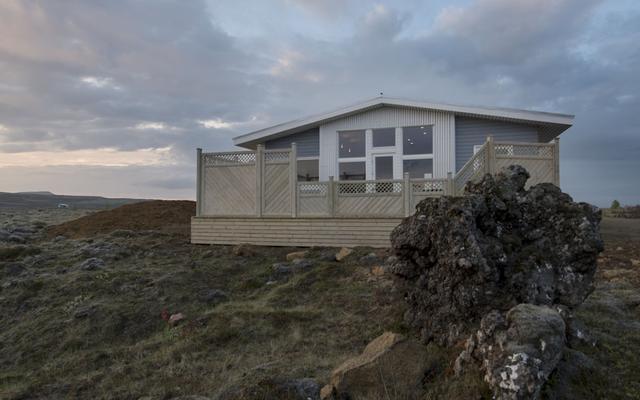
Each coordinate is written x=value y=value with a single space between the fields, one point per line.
x=417 y=151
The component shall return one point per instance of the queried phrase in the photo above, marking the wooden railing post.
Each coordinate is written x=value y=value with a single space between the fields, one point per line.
x=293 y=179
x=449 y=187
x=491 y=156
x=406 y=193
x=331 y=194
x=556 y=162
x=199 y=177
x=259 y=175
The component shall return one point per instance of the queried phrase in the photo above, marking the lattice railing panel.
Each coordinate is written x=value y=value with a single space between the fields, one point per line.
x=473 y=169
x=229 y=159
x=369 y=187
x=273 y=157
x=431 y=186
x=313 y=188
x=524 y=150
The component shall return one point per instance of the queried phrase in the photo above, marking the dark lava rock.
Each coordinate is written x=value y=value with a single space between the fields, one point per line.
x=15 y=238
x=327 y=255
x=459 y=258
x=91 y=264
x=370 y=260
x=14 y=269
x=281 y=270
x=214 y=296
x=301 y=265
x=517 y=351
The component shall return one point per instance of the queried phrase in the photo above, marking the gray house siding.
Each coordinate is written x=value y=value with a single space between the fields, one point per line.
x=474 y=131
x=307 y=143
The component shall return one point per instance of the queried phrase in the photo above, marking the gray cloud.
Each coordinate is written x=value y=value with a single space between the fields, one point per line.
x=84 y=75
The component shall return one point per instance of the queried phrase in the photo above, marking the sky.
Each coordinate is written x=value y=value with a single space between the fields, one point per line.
x=112 y=97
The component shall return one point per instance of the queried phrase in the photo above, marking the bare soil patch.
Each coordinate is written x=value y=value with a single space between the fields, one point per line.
x=161 y=215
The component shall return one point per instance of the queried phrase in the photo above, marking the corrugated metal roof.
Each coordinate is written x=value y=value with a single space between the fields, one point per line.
x=555 y=123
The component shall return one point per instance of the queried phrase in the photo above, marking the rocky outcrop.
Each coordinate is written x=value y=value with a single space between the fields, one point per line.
x=391 y=363
x=462 y=257
x=517 y=351
x=502 y=267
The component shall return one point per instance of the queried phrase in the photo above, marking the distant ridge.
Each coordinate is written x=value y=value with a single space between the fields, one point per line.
x=42 y=192
x=44 y=199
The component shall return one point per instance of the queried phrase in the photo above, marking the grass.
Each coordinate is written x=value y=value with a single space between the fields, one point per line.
x=70 y=333
x=99 y=334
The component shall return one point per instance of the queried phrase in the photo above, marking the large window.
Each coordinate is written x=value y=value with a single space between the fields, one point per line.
x=418 y=169
x=417 y=140
x=352 y=171
x=351 y=144
x=417 y=151
x=308 y=170
x=384 y=137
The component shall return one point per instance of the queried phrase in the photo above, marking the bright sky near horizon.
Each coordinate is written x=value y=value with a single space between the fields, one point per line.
x=112 y=98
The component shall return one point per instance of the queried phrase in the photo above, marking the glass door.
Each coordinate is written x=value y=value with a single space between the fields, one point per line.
x=383 y=167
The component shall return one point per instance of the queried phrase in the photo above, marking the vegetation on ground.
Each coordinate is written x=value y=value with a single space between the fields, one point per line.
x=77 y=330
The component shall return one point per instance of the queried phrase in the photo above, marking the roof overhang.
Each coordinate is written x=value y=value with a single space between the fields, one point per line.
x=552 y=123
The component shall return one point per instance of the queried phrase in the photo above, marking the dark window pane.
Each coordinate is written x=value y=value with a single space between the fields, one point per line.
x=352 y=171
x=384 y=167
x=417 y=168
x=417 y=140
x=308 y=170
x=351 y=144
x=384 y=137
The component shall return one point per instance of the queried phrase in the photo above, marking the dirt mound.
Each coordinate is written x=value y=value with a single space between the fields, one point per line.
x=162 y=215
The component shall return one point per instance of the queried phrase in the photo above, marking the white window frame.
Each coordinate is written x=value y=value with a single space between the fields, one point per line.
x=396 y=151
x=424 y=156
x=382 y=154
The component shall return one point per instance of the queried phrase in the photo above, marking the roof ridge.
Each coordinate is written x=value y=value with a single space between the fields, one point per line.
x=541 y=117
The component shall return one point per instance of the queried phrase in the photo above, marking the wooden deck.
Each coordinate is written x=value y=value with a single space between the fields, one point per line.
x=254 y=197
x=303 y=232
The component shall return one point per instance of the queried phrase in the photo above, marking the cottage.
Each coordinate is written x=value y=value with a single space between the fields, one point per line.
x=346 y=177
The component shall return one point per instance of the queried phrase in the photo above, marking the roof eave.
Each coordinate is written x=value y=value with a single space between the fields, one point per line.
x=523 y=116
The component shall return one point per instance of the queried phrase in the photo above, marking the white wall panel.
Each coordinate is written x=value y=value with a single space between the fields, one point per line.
x=392 y=117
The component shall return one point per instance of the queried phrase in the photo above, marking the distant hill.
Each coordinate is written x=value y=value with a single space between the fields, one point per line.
x=50 y=200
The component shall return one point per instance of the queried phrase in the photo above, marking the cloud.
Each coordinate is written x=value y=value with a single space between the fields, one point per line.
x=98 y=82
x=127 y=76
x=156 y=126
x=96 y=157
x=215 y=123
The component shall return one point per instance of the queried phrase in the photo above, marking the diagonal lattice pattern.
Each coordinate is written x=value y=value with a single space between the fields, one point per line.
x=384 y=187
x=276 y=156
x=313 y=189
x=524 y=150
x=429 y=186
x=229 y=159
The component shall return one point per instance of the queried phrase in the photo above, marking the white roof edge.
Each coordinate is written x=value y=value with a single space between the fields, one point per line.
x=539 y=117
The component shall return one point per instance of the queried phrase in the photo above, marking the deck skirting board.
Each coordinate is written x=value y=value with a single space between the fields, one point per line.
x=302 y=232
